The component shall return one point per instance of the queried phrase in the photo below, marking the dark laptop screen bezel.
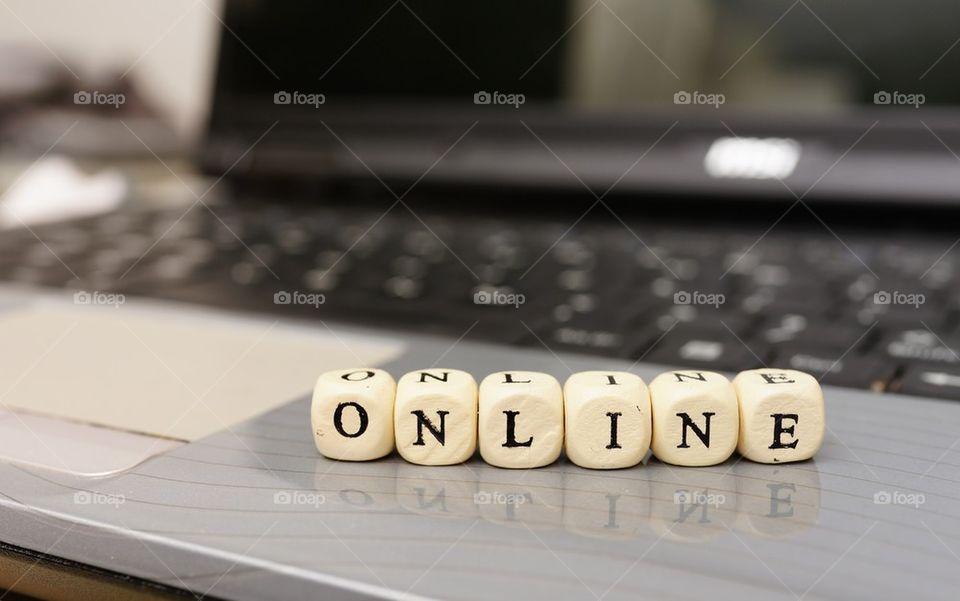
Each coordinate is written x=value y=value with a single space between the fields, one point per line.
x=305 y=144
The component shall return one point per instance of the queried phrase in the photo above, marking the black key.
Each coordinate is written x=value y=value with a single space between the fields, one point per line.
x=835 y=368
x=900 y=316
x=814 y=330
x=690 y=347
x=582 y=323
x=770 y=300
x=937 y=381
x=907 y=346
x=592 y=341
x=695 y=318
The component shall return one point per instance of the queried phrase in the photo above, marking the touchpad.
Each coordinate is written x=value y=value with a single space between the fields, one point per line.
x=176 y=374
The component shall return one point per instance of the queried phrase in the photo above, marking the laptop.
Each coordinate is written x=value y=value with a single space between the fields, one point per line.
x=552 y=186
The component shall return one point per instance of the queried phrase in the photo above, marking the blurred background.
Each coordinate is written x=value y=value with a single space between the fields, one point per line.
x=778 y=57
x=110 y=110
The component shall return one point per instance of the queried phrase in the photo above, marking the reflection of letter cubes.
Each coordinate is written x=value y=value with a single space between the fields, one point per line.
x=781 y=415
x=776 y=502
x=521 y=419
x=606 y=419
x=352 y=414
x=695 y=418
x=435 y=416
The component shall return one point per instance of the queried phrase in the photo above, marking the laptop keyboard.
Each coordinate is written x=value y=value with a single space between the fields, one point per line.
x=868 y=313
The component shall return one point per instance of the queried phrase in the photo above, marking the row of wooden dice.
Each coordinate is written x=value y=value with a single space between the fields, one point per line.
x=601 y=419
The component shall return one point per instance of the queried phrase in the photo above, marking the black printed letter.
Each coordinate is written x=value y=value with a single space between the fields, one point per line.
x=338 y=419
x=699 y=376
x=512 y=431
x=366 y=376
x=778 y=430
x=703 y=435
x=613 y=430
x=422 y=421
x=508 y=379
x=424 y=375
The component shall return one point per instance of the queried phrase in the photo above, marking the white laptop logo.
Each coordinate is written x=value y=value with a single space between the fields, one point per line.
x=752 y=158
x=701 y=350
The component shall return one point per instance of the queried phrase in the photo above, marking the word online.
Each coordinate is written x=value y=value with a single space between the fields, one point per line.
x=602 y=420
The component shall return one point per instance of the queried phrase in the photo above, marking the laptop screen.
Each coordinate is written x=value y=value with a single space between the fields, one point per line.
x=614 y=54
x=299 y=64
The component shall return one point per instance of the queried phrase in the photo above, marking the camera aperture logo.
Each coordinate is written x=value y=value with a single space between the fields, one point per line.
x=898 y=98
x=699 y=497
x=312 y=299
x=503 y=98
x=87 y=497
x=494 y=497
x=498 y=297
x=96 y=297
x=299 y=98
x=714 y=299
x=95 y=97
x=896 y=297
x=299 y=498
x=714 y=99
x=896 y=497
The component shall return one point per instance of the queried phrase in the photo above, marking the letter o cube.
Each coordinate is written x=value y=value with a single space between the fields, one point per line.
x=435 y=416
x=606 y=419
x=781 y=415
x=521 y=419
x=696 y=419
x=352 y=414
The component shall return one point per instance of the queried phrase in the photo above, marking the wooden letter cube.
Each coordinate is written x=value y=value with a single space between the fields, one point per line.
x=435 y=416
x=606 y=419
x=352 y=414
x=696 y=419
x=781 y=415
x=521 y=419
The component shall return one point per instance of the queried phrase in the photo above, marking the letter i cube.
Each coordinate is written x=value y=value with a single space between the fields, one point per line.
x=606 y=419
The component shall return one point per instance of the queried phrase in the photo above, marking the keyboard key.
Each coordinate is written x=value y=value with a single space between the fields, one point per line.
x=920 y=345
x=936 y=381
x=689 y=346
x=835 y=368
x=816 y=330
